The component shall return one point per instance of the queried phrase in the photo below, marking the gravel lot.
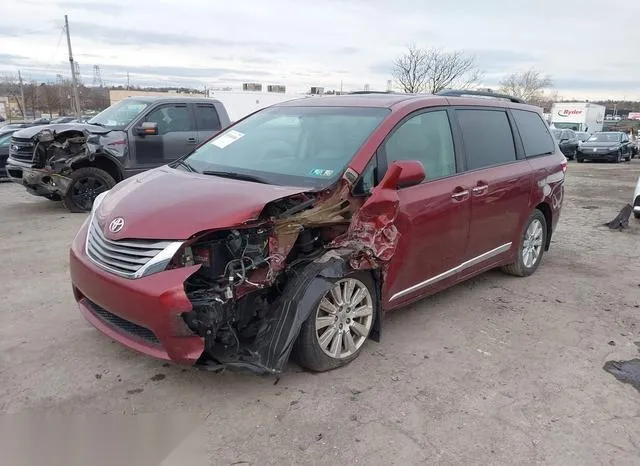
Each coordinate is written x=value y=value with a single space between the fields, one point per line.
x=499 y=370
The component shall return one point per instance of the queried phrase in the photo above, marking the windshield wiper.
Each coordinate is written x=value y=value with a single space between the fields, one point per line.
x=184 y=164
x=236 y=176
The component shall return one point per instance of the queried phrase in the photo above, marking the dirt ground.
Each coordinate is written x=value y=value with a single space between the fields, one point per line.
x=499 y=370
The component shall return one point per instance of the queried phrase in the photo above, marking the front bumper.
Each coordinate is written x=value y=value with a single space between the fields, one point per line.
x=38 y=181
x=143 y=314
x=599 y=155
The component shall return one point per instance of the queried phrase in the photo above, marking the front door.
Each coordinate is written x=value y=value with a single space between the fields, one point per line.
x=500 y=185
x=433 y=218
x=177 y=136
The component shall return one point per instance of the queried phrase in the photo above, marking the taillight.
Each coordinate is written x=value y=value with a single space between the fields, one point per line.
x=564 y=165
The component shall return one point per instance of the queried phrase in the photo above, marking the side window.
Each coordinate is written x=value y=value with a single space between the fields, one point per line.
x=5 y=140
x=534 y=133
x=207 y=118
x=427 y=138
x=171 y=118
x=487 y=137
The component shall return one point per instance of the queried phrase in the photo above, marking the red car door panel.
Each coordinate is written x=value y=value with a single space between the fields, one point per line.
x=433 y=217
x=434 y=226
x=497 y=200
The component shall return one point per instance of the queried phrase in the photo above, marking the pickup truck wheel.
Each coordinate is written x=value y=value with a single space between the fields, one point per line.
x=335 y=333
x=86 y=184
x=531 y=246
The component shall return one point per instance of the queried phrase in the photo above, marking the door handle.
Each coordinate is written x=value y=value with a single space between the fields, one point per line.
x=192 y=141
x=460 y=195
x=480 y=190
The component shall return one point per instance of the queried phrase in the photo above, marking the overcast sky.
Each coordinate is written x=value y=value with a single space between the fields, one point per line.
x=323 y=42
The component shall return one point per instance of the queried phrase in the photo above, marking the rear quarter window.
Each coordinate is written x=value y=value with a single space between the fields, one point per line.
x=487 y=136
x=534 y=133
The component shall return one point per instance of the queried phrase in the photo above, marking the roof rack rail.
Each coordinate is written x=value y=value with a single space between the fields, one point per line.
x=495 y=95
x=373 y=92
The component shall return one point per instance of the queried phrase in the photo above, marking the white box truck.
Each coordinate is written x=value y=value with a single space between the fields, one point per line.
x=578 y=116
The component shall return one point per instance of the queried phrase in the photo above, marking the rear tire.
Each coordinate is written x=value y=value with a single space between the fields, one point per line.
x=86 y=184
x=343 y=332
x=531 y=248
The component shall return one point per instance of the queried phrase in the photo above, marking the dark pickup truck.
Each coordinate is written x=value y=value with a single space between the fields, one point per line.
x=74 y=162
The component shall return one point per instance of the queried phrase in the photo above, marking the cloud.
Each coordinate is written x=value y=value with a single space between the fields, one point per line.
x=100 y=7
x=322 y=43
x=141 y=38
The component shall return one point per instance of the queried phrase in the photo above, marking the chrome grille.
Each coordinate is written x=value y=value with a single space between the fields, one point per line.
x=21 y=149
x=124 y=257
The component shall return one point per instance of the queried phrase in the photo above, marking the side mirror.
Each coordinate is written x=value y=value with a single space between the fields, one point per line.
x=148 y=128
x=403 y=173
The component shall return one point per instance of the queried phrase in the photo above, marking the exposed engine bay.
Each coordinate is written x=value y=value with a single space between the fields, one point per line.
x=257 y=285
x=59 y=152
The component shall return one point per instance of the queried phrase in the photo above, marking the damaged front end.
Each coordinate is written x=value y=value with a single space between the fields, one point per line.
x=44 y=162
x=258 y=284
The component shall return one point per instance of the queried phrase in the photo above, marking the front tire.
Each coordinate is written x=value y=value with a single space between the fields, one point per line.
x=531 y=248
x=335 y=333
x=86 y=184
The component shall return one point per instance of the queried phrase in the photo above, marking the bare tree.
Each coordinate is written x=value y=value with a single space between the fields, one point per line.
x=450 y=70
x=410 y=70
x=432 y=70
x=10 y=85
x=529 y=86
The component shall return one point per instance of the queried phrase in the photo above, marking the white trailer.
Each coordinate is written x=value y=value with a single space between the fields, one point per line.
x=578 y=116
x=241 y=103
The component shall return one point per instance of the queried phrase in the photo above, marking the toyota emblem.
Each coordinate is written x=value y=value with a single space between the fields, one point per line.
x=116 y=225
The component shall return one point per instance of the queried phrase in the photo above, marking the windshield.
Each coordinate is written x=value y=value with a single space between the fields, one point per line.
x=556 y=133
x=582 y=136
x=605 y=137
x=296 y=146
x=119 y=115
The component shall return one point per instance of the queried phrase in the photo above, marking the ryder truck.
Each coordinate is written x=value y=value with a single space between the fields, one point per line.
x=578 y=116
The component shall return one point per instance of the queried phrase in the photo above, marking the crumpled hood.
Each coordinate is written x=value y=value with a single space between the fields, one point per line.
x=31 y=131
x=169 y=204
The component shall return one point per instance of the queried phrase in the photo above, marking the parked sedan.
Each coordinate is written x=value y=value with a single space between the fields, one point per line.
x=5 y=139
x=567 y=140
x=612 y=146
x=582 y=136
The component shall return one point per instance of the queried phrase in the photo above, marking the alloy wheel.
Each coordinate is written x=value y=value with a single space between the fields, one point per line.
x=532 y=246
x=344 y=318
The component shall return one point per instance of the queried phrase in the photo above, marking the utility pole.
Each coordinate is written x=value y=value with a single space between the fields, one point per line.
x=22 y=95
x=74 y=83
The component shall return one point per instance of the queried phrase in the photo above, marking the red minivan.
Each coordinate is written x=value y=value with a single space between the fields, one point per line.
x=294 y=230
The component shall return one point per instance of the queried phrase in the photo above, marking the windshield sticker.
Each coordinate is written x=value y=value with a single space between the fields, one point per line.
x=227 y=138
x=321 y=172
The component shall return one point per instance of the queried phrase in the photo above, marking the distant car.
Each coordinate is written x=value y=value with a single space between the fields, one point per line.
x=612 y=146
x=5 y=140
x=568 y=142
x=636 y=200
x=582 y=136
